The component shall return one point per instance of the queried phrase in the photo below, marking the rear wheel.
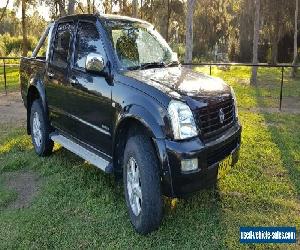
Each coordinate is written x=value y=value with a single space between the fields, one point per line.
x=142 y=184
x=40 y=130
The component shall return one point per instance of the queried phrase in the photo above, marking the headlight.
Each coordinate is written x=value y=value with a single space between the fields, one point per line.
x=182 y=120
x=235 y=103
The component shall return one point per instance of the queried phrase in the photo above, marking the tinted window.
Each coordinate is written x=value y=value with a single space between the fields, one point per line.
x=62 y=44
x=88 y=41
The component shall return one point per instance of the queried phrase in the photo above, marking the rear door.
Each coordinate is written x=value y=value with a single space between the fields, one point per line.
x=57 y=81
x=90 y=103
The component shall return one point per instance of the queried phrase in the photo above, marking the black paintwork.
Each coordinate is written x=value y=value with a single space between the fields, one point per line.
x=92 y=108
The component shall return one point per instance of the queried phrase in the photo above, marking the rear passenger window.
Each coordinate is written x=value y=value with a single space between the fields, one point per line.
x=87 y=41
x=62 y=44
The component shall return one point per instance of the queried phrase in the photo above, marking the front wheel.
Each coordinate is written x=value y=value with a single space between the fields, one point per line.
x=142 y=184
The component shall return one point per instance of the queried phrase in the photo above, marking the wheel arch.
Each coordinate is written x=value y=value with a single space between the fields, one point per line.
x=136 y=120
x=35 y=91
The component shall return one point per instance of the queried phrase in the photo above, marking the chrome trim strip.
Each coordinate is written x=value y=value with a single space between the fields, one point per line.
x=80 y=120
x=90 y=125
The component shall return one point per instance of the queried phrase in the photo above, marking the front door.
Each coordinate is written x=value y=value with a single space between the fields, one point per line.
x=91 y=93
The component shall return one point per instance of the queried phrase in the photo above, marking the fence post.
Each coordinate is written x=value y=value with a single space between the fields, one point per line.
x=4 y=73
x=281 y=87
x=210 y=70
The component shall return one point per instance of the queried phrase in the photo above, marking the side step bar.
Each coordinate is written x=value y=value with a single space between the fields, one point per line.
x=84 y=153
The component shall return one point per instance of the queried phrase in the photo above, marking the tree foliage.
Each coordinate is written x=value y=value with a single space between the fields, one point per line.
x=222 y=29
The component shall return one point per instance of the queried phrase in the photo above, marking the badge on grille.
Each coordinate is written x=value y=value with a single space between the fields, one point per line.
x=221 y=116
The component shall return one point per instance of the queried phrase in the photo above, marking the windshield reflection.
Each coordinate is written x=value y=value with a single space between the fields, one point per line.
x=139 y=45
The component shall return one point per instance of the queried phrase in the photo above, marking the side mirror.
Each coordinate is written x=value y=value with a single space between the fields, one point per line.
x=94 y=63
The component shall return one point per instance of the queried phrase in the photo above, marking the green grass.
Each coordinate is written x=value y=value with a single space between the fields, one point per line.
x=268 y=90
x=78 y=206
x=12 y=79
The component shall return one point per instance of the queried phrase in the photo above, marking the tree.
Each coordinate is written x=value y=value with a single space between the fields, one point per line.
x=10 y=23
x=24 y=29
x=245 y=22
x=216 y=22
x=189 y=32
x=62 y=7
x=65 y=7
x=294 y=69
x=88 y=3
x=163 y=11
x=24 y=7
x=134 y=8
x=277 y=22
x=71 y=7
x=4 y=10
x=255 y=42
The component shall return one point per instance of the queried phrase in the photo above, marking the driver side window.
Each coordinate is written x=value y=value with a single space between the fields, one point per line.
x=62 y=44
x=87 y=41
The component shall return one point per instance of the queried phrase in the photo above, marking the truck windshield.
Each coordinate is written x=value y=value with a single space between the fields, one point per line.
x=139 y=45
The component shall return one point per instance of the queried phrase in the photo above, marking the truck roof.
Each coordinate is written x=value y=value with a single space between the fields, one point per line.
x=104 y=17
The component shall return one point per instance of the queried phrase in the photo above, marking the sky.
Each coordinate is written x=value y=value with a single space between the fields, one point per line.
x=42 y=9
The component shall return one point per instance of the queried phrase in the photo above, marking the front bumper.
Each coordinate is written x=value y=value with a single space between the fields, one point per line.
x=177 y=183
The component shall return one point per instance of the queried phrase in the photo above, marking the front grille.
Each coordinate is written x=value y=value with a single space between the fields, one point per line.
x=218 y=154
x=208 y=118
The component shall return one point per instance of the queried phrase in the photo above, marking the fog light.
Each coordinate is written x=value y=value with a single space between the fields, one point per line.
x=189 y=165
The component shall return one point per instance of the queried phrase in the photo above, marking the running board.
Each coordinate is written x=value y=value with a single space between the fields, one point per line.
x=84 y=153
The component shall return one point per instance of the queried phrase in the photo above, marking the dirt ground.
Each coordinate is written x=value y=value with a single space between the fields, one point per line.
x=25 y=183
x=12 y=109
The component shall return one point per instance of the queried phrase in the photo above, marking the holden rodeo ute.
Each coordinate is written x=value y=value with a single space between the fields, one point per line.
x=110 y=89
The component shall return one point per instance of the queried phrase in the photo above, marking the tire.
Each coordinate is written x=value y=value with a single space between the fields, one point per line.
x=40 y=130
x=146 y=216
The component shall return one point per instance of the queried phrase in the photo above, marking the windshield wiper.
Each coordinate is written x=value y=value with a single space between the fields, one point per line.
x=153 y=65
x=173 y=64
x=133 y=67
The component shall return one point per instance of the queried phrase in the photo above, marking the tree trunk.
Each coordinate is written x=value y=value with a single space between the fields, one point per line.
x=253 y=80
x=88 y=3
x=71 y=7
x=189 y=32
x=24 y=29
x=62 y=10
x=168 y=20
x=274 y=45
x=246 y=20
x=294 y=69
x=134 y=8
x=162 y=15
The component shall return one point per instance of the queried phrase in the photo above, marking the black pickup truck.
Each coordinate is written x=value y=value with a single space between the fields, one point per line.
x=110 y=89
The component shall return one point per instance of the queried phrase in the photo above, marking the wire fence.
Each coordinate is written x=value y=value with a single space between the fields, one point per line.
x=9 y=64
x=281 y=67
x=277 y=81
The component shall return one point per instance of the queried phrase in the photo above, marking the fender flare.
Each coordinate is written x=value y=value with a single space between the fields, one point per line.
x=142 y=115
x=155 y=129
x=39 y=87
